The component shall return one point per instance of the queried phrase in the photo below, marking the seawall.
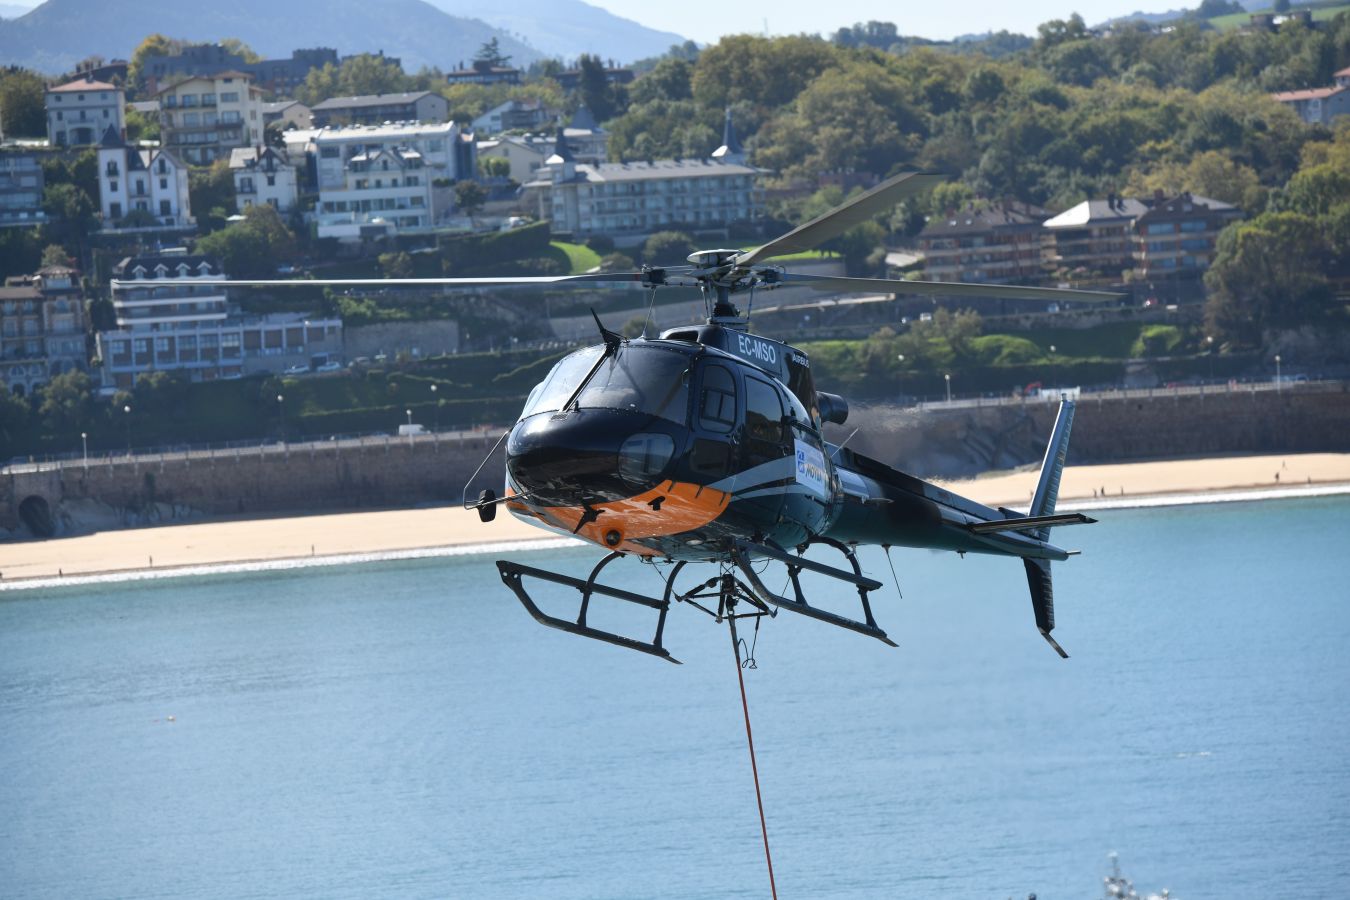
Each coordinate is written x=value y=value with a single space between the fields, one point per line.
x=950 y=440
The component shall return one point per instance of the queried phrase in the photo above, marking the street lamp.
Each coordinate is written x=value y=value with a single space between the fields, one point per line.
x=84 y=443
x=437 y=413
x=1277 y=373
x=1209 y=350
x=281 y=416
x=410 y=428
x=948 y=378
x=127 y=409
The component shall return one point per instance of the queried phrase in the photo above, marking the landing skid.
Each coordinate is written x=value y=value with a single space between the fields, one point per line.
x=718 y=596
x=513 y=575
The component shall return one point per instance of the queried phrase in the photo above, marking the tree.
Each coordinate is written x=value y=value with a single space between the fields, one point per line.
x=20 y=252
x=470 y=196
x=74 y=214
x=594 y=89
x=667 y=248
x=491 y=54
x=671 y=80
x=1267 y=273
x=211 y=194
x=239 y=48
x=396 y=265
x=66 y=404
x=617 y=262
x=141 y=127
x=55 y=255
x=22 y=99
x=153 y=45
x=14 y=417
x=494 y=166
x=254 y=247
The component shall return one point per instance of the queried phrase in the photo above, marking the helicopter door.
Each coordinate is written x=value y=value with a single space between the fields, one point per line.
x=715 y=421
x=765 y=450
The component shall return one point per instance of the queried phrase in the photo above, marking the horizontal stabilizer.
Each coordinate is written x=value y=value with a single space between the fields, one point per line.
x=1024 y=522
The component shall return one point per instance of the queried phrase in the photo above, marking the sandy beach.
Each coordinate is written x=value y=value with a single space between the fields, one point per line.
x=338 y=536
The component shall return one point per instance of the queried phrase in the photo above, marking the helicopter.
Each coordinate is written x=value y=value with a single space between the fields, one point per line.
x=705 y=444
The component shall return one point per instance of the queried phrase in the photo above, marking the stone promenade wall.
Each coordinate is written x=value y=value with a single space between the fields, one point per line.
x=930 y=442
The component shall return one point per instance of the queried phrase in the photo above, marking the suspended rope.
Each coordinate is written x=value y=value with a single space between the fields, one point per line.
x=750 y=741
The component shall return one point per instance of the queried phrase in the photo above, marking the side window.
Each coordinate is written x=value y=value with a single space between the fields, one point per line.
x=717 y=400
x=763 y=418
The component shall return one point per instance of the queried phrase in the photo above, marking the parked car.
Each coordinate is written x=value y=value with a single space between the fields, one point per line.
x=330 y=366
x=296 y=370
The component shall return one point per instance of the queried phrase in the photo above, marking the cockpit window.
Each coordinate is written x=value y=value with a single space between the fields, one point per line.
x=641 y=379
x=561 y=382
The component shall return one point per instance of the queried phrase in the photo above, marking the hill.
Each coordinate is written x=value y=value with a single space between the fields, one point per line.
x=568 y=28
x=59 y=33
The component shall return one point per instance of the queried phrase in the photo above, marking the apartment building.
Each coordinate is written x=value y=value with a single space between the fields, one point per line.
x=386 y=179
x=42 y=328
x=264 y=176
x=376 y=109
x=513 y=115
x=1094 y=237
x=193 y=328
x=276 y=76
x=586 y=141
x=204 y=117
x=481 y=71
x=988 y=243
x=21 y=186
x=80 y=111
x=1176 y=236
x=154 y=182
x=629 y=199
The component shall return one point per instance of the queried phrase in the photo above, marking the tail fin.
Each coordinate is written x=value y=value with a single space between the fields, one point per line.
x=1043 y=504
x=1047 y=489
x=1043 y=599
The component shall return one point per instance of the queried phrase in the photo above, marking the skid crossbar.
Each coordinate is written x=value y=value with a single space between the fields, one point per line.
x=513 y=575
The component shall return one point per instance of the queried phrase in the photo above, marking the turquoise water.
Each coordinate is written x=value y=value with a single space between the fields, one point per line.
x=405 y=730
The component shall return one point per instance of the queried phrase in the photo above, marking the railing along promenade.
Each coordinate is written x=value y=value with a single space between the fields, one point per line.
x=487 y=435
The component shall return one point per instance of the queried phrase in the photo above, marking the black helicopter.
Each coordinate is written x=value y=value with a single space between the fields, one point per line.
x=706 y=444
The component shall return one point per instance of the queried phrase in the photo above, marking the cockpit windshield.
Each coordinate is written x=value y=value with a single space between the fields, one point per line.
x=636 y=378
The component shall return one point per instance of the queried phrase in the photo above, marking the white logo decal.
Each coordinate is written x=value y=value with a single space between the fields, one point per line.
x=811 y=467
x=754 y=348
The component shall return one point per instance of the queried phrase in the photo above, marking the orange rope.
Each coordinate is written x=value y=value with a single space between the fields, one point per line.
x=750 y=740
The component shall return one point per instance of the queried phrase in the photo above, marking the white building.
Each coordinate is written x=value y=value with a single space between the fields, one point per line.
x=150 y=181
x=386 y=179
x=619 y=199
x=192 y=328
x=263 y=176
x=527 y=153
x=513 y=115
x=204 y=117
x=80 y=111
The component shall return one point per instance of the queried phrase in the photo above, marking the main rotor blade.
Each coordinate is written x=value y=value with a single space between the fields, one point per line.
x=945 y=289
x=843 y=217
x=598 y=278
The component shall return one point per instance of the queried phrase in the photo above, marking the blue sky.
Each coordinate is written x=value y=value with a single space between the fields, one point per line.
x=707 y=20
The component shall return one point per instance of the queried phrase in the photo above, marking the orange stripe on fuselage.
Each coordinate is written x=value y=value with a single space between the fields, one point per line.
x=683 y=507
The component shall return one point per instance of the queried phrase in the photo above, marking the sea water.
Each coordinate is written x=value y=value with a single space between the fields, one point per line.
x=404 y=729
